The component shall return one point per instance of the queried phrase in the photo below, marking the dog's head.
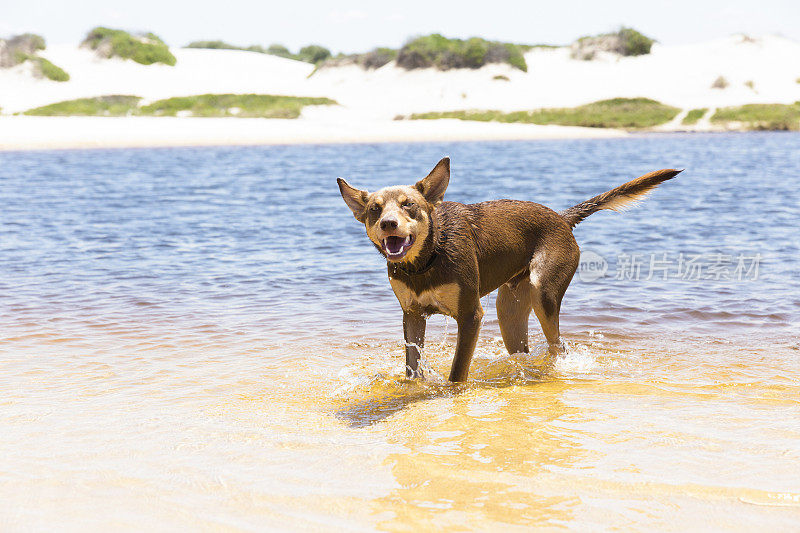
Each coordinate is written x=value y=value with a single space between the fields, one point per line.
x=398 y=219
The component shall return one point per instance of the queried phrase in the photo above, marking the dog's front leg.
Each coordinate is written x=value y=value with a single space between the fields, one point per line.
x=414 y=333
x=468 y=326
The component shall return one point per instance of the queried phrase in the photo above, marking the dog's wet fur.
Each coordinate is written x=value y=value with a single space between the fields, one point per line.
x=442 y=257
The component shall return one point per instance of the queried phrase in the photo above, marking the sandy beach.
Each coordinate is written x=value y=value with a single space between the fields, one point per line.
x=756 y=69
x=28 y=133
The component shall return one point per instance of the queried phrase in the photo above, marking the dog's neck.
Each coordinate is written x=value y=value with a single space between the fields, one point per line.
x=427 y=256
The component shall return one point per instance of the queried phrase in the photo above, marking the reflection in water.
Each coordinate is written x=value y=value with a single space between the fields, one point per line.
x=472 y=452
x=582 y=440
x=481 y=463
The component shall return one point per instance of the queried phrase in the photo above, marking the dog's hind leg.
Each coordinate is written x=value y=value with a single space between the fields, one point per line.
x=514 y=304
x=552 y=269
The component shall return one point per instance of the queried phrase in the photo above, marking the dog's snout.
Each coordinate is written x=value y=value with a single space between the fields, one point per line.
x=388 y=223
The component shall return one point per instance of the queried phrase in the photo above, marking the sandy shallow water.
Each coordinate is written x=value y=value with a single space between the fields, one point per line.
x=204 y=339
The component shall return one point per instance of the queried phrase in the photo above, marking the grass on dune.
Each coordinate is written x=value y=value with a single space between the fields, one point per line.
x=115 y=105
x=613 y=113
x=146 y=49
x=761 y=116
x=203 y=105
x=693 y=116
x=44 y=67
x=233 y=105
x=51 y=71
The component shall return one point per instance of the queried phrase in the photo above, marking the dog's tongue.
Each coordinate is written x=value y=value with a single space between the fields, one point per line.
x=394 y=245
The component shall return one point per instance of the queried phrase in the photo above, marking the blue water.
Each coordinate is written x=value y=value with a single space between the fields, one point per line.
x=258 y=240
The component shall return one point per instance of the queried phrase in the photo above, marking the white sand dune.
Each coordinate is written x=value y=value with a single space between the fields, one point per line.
x=677 y=75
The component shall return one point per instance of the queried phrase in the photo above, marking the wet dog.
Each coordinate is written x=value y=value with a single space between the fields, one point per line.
x=442 y=257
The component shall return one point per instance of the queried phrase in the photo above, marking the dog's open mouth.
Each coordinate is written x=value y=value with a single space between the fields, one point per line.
x=396 y=247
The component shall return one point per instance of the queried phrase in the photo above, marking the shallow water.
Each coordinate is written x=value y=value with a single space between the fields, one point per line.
x=205 y=339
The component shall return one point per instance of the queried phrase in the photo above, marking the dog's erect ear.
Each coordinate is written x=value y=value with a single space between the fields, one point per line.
x=433 y=186
x=355 y=199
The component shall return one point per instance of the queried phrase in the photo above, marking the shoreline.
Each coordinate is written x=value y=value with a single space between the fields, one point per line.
x=26 y=133
x=32 y=133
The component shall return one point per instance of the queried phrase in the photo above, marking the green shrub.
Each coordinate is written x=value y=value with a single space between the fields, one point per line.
x=761 y=116
x=313 y=53
x=377 y=58
x=110 y=106
x=43 y=66
x=233 y=105
x=501 y=77
x=625 y=42
x=634 y=43
x=529 y=47
x=310 y=54
x=438 y=51
x=19 y=49
x=279 y=50
x=613 y=113
x=693 y=116
x=374 y=59
x=213 y=45
x=51 y=71
x=21 y=57
x=222 y=45
x=147 y=49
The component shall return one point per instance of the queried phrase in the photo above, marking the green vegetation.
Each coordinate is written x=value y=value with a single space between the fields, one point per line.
x=529 y=47
x=115 y=105
x=312 y=53
x=22 y=48
x=693 y=116
x=222 y=45
x=279 y=50
x=146 y=49
x=614 y=113
x=374 y=59
x=442 y=53
x=634 y=43
x=625 y=42
x=233 y=105
x=761 y=116
x=501 y=77
x=202 y=105
x=43 y=66
x=50 y=71
x=421 y=52
x=750 y=84
x=36 y=42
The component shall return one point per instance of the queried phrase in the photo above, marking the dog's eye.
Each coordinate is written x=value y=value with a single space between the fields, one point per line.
x=375 y=208
x=408 y=204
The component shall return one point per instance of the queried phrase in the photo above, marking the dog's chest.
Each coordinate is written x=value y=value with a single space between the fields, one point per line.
x=440 y=299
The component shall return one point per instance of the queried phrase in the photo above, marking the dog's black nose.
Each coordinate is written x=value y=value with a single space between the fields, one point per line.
x=388 y=223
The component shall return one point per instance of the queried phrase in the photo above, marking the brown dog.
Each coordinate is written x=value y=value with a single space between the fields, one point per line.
x=443 y=257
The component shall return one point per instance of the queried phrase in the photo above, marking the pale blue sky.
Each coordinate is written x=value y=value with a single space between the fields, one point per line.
x=350 y=25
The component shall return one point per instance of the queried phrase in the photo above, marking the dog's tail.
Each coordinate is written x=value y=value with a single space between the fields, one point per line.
x=619 y=198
